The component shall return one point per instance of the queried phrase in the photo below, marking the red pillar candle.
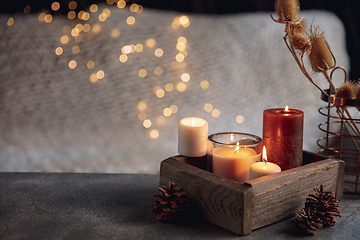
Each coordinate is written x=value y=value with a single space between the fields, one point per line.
x=283 y=136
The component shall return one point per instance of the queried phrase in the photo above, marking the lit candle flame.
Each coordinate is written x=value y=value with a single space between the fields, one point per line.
x=193 y=122
x=264 y=156
x=287 y=109
x=237 y=147
x=231 y=137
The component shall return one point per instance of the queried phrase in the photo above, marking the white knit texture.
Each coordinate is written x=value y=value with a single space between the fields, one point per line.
x=52 y=118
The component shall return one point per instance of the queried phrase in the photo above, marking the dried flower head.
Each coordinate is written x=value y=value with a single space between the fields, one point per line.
x=297 y=36
x=287 y=10
x=347 y=90
x=321 y=56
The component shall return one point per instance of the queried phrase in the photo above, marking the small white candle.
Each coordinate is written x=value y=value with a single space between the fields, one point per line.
x=193 y=134
x=264 y=168
x=234 y=163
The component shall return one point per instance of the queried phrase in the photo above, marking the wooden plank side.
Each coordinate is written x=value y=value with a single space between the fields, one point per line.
x=279 y=196
x=222 y=201
x=340 y=181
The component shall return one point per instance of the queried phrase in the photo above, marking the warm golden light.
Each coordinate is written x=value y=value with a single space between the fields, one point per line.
x=264 y=156
x=72 y=64
x=142 y=106
x=204 y=84
x=158 y=71
x=90 y=64
x=179 y=57
x=107 y=12
x=139 y=47
x=182 y=40
x=182 y=65
x=185 y=77
x=93 y=78
x=85 y=16
x=10 y=21
x=154 y=134
x=94 y=8
x=42 y=17
x=167 y=112
x=115 y=33
x=64 y=39
x=121 y=4
x=150 y=43
x=71 y=15
x=59 y=51
x=175 y=24
x=79 y=26
x=181 y=87
x=72 y=5
x=78 y=38
x=180 y=47
x=142 y=116
x=48 y=18
x=96 y=28
x=287 y=109
x=160 y=93
x=102 y=17
x=75 y=32
x=239 y=119
x=169 y=87
x=123 y=58
x=142 y=73
x=110 y=2
x=208 y=107
x=55 y=6
x=134 y=7
x=173 y=108
x=184 y=20
x=215 y=113
x=86 y=27
x=159 y=52
x=130 y=20
x=100 y=74
x=147 y=123
x=75 y=49
x=141 y=8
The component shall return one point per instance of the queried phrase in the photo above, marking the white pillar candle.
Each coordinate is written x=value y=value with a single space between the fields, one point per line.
x=234 y=163
x=193 y=134
x=264 y=168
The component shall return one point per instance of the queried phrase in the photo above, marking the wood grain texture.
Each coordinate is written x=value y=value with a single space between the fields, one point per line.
x=222 y=201
x=278 y=196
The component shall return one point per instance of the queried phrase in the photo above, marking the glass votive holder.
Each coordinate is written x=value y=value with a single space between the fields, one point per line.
x=230 y=154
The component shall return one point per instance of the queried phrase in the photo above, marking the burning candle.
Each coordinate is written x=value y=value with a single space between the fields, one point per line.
x=263 y=168
x=233 y=153
x=283 y=136
x=193 y=133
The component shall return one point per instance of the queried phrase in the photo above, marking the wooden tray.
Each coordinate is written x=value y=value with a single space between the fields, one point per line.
x=242 y=208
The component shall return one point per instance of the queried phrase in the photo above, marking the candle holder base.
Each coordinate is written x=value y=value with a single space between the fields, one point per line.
x=242 y=208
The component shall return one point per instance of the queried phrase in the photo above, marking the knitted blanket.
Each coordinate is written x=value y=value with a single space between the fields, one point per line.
x=90 y=110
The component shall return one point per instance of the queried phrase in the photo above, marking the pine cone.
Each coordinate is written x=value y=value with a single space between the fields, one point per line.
x=171 y=203
x=326 y=205
x=309 y=221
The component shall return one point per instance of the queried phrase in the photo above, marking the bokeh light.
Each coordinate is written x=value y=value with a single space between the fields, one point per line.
x=181 y=87
x=93 y=78
x=90 y=64
x=142 y=73
x=10 y=21
x=72 y=64
x=150 y=43
x=139 y=47
x=147 y=123
x=239 y=119
x=142 y=116
x=173 y=108
x=94 y=8
x=204 y=84
x=55 y=6
x=142 y=106
x=59 y=51
x=121 y=4
x=185 y=77
x=215 y=113
x=96 y=28
x=64 y=39
x=71 y=15
x=208 y=107
x=169 y=87
x=167 y=112
x=115 y=33
x=100 y=74
x=75 y=49
x=123 y=58
x=159 y=52
x=72 y=5
x=158 y=71
x=154 y=134
x=130 y=20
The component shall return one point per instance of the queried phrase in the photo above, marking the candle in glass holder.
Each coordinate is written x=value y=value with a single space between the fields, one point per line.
x=263 y=168
x=233 y=153
x=193 y=133
x=283 y=136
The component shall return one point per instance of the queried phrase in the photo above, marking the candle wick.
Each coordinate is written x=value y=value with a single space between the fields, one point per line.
x=237 y=147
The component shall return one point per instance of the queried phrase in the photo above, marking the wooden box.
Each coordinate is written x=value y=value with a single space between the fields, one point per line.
x=242 y=208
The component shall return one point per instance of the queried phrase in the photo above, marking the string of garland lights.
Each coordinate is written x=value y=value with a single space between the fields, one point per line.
x=73 y=34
